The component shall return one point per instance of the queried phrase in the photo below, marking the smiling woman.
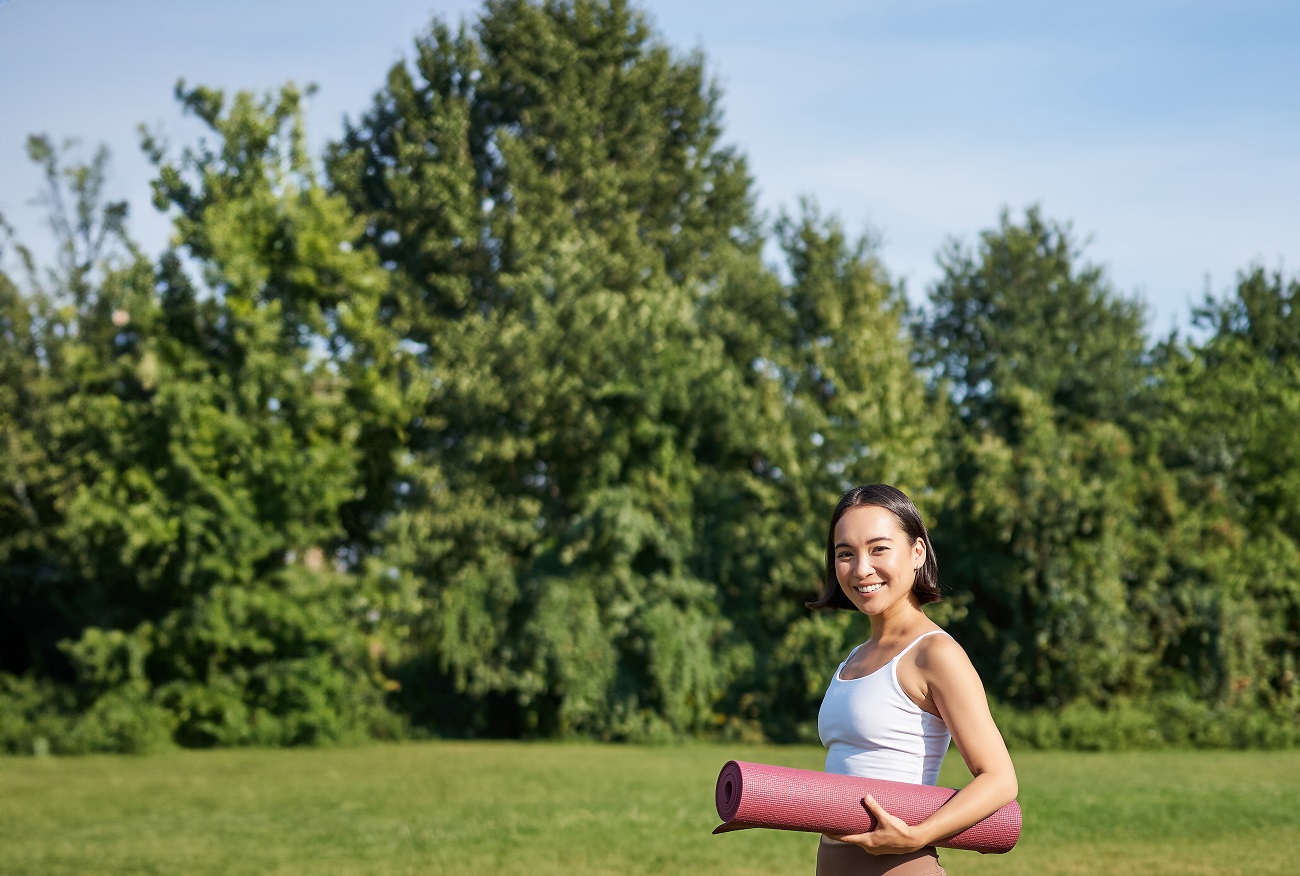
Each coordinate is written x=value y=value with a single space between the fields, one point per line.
x=897 y=700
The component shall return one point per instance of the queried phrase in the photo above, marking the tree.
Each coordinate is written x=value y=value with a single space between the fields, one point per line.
x=1064 y=550
x=552 y=198
x=1060 y=529
x=202 y=443
x=1230 y=409
x=1021 y=311
x=54 y=337
x=289 y=383
x=827 y=378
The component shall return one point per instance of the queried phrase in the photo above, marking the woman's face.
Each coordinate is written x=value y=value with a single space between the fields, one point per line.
x=875 y=561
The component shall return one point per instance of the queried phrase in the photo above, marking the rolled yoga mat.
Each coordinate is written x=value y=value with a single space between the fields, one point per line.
x=782 y=798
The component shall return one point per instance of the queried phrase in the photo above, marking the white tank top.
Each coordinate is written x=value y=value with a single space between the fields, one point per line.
x=872 y=729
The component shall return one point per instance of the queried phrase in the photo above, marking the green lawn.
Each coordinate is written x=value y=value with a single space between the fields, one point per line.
x=515 y=808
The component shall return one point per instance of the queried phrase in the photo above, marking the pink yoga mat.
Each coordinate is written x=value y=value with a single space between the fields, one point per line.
x=782 y=798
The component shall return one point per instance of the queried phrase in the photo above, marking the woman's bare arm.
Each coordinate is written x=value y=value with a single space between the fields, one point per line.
x=954 y=688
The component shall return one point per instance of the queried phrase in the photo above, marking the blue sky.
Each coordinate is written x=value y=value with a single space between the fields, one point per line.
x=1167 y=133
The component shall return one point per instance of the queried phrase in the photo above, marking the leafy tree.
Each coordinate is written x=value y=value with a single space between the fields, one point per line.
x=1064 y=552
x=834 y=401
x=861 y=404
x=1022 y=311
x=552 y=197
x=52 y=340
x=1060 y=529
x=202 y=441
x=1231 y=406
x=290 y=380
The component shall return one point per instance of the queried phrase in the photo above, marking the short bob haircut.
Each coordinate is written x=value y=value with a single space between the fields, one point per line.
x=926 y=584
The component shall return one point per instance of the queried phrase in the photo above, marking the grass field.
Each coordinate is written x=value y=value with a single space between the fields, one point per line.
x=515 y=808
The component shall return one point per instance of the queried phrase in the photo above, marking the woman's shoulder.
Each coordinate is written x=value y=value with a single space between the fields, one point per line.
x=935 y=661
x=938 y=649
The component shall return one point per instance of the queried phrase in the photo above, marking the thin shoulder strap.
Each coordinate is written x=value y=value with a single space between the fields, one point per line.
x=912 y=644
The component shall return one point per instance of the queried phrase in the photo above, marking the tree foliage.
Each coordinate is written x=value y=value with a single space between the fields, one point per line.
x=1231 y=408
x=1058 y=532
x=198 y=444
x=1022 y=310
x=493 y=420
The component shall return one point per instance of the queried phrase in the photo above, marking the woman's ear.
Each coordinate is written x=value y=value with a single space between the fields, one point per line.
x=918 y=554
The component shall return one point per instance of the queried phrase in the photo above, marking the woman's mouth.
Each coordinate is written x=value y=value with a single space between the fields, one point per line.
x=869 y=588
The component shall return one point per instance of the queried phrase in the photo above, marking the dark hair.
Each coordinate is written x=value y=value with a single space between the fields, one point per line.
x=894 y=500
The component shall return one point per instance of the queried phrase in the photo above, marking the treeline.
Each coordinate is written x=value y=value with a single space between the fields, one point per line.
x=493 y=420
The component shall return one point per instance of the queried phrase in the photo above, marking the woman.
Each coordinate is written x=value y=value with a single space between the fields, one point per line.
x=898 y=699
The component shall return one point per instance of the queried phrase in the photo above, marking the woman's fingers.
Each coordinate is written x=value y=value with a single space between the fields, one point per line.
x=889 y=835
x=877 y=811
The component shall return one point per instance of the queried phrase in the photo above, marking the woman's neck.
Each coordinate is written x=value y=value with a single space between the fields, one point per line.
x=898 y=621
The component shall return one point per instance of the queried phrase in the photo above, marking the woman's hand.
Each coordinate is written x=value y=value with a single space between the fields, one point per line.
x=890 y=836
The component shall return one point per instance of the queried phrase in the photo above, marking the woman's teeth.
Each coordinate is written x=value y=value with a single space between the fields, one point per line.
x=871 y=588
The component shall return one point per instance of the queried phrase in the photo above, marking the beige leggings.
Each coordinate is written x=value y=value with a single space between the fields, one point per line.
x=846 y=859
